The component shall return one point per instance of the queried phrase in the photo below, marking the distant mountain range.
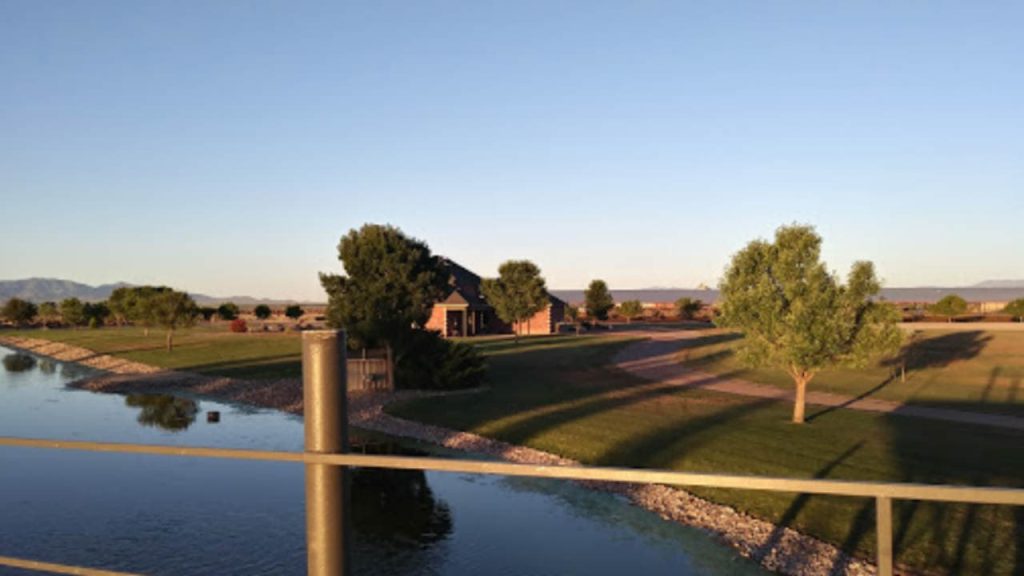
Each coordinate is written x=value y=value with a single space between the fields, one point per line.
x=987 y=293
x=1000 y=284
x=52 y=289
x=55 y=290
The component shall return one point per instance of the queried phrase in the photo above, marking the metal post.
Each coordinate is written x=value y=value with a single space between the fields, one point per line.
x=324 y=390
x=883 y=527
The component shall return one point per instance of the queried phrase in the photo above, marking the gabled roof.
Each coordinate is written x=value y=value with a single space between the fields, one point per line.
x=465 y=288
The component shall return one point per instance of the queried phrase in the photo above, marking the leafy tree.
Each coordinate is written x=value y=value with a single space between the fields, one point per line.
x=120 y=302
x=48 y=313
x=227 y=311
x=207 y=312
x=391 y=283
x=294 y=311
x=949 y=306
x=1016 y=309
x=631 y=309
x=597 y=300
x=687 y=308
x=799 y=317
x=262 y=311
x=18 y=311
x=141 y=304
x=517 y=293
x=172 y=310
x=72 y=311
x=96 y=313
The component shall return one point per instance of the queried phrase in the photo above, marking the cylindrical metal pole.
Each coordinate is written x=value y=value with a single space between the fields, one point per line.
x=324 y=390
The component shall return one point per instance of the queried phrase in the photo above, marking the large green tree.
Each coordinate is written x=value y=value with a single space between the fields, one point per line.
x=48 y=313
x=949 y=306
x=597 y=300
x=18 y=311
x=517 y=293
x=120 y=303
x=797 y=316
x=96 y=313
x=72 y=311
x=391 y=281
x=1016 y=309
x=171 y=310
x=141 y=305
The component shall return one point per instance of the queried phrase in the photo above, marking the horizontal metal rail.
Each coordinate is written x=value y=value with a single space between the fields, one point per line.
x=852 y=488
x=57 y=568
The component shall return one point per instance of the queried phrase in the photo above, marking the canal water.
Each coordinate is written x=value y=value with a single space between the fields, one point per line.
x=167 y=515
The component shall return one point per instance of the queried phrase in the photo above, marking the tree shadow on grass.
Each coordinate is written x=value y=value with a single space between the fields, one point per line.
x=649 y=444
x=798 y=504
x=950 y=538
x=939 y=351
x=554 y=416
x=920 y=354
x=866 y=394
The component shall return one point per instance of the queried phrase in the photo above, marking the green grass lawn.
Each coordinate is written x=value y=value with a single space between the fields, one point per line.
x=979 y=371
x=204 y=349
x=560 y=395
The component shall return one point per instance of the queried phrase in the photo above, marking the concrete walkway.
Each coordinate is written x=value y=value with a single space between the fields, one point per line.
x=654 y=359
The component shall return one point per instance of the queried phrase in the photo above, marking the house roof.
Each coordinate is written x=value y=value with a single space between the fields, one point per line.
x=464 y=287
x=466 y=290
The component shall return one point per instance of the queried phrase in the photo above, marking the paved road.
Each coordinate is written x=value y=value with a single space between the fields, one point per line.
x=654 y=359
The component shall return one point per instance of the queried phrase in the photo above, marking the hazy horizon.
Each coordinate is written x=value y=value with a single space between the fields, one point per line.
x=646 y=294
x=227 y=147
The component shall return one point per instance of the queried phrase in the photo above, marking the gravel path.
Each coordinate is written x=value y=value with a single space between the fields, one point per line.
x=776 y=548
x=655 y=359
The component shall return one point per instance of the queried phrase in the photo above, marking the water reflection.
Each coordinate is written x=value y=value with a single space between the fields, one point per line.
x=164 y=411
x=398 y=505
x=19 y=362
x=47 y=366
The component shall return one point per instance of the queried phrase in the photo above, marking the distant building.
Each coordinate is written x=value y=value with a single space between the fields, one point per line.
x=465 y=312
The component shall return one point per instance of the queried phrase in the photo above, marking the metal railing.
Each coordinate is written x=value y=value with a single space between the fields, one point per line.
x=327 y=468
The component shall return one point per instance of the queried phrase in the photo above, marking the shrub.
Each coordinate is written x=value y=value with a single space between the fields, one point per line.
x=687 y=308
x=433 y=363
x=227 y=311
x=950 y=306
x=238 y=325
x=294 y=311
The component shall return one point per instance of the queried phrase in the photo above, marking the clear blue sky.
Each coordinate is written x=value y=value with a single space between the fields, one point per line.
x=224 y=147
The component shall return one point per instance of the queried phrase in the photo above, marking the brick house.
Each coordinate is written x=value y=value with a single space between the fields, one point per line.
x=465 y=311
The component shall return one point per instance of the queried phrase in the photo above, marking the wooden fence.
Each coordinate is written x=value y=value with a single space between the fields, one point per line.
x=370 y=371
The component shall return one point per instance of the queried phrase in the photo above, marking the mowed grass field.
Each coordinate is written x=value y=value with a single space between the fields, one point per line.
x=974 y=370
x=561 y=395
x=206 y=349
